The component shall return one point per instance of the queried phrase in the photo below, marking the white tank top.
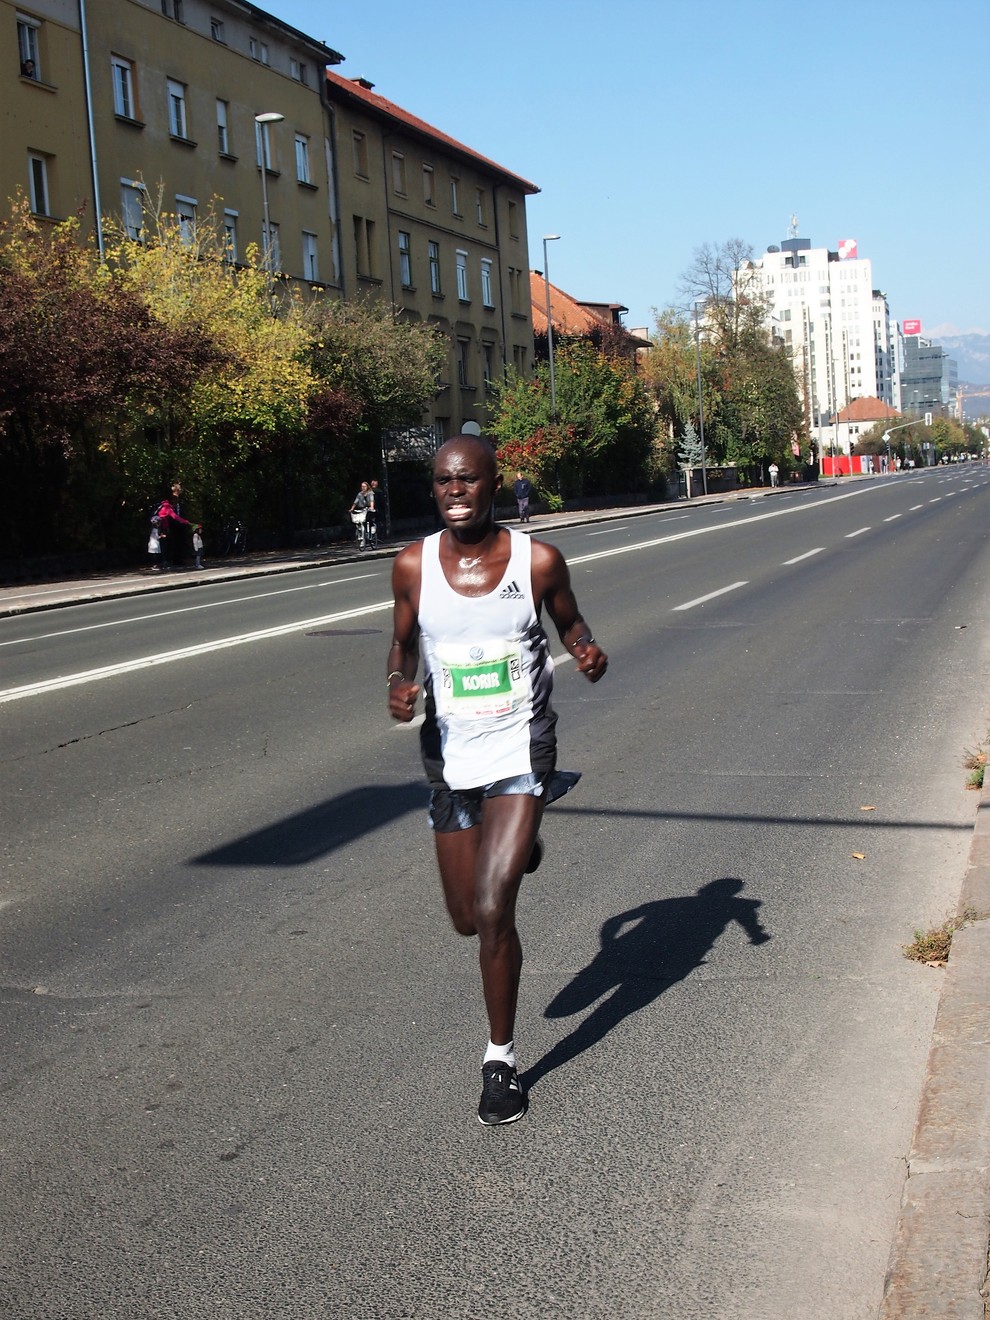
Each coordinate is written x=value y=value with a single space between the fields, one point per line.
x=487 y=671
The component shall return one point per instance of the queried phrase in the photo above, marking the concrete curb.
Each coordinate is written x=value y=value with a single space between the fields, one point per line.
x=938 y=1260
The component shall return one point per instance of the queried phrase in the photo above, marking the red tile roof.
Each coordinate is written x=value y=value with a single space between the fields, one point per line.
x=867 y=409
x=568 y=315
x=571 y=317
x=360 y=91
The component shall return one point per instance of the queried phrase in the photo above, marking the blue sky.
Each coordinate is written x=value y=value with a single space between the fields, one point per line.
x=654 y=127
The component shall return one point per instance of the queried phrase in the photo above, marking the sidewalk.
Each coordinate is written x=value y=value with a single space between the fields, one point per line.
x=938 y=1260
x=26 y=598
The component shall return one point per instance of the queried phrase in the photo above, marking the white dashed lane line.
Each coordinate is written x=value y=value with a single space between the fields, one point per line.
x=701 y=600
x=807 y=555
x=859 y=532
x=893 y=517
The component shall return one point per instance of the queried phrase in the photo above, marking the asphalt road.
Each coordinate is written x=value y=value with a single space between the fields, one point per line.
x=241 y=1046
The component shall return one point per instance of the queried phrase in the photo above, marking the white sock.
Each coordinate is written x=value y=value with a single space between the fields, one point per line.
x=500 y=1054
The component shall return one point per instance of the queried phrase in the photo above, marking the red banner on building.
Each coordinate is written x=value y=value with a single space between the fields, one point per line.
x=911 y=327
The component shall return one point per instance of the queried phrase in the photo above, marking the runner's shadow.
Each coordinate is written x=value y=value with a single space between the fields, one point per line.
x=644 y=952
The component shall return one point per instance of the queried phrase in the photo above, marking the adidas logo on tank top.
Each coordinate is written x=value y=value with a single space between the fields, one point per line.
x=510 y=592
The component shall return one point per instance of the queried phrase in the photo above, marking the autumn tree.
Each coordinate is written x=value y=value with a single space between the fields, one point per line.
x=81 y=359
x=600 y=441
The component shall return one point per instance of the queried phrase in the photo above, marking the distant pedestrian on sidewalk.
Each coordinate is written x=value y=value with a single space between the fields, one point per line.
x=774 y=474
x=198 y=544
x=155 y=549
x=170 y=521
x=522 y=490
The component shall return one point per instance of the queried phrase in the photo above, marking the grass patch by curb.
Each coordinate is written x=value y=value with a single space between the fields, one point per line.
x=932 y=946
x=975 y=761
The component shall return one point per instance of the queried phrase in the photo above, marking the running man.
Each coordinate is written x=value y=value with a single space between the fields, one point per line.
x=472 y=595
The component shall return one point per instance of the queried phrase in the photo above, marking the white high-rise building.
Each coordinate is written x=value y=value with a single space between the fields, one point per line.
x=836 y=325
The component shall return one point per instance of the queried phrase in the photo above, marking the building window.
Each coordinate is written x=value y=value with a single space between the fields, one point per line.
x=216 y=30
x=28 y=46
x=230 y=237
x=298 y=71
x=364 y=246
x=479 y=203
x=271 y=243
x=455 y=200
x=38 y=179
x=176 y=10
x=311 y=265
x=463 y=360
x=122 y=74
x=429 y=196
x=519 y=359
x=399 y=172
x=223 y=133
x=435 y=286
x=513 y=220
x=176 y=108
x=263 y=147
x=405 y=261
x=515 y=289
x=258 y=50
x=486 y=282
x=360 y=154
x=488 y=351
x=185 y=215
x=462 y=279
x=302 y=158
x=132 y=209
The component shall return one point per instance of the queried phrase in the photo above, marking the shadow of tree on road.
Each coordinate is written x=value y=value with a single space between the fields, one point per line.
x=644 y=952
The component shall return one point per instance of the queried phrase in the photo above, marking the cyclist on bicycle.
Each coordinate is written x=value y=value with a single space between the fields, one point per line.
x=363 y=502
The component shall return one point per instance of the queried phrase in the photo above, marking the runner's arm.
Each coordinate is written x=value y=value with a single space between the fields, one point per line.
x=403 y=656
x=552 y=581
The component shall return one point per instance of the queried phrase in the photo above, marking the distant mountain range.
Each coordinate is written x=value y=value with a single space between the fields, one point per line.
x=972 y=354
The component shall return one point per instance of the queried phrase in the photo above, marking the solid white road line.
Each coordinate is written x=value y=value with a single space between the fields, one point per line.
x=184 y=653
x=184 y=609
x=701 y=600
x=807 y=555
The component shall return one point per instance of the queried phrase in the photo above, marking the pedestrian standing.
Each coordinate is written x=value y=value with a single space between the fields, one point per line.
x=155 y=549
x=472 y=596
x=198 y=544
x=170 y=522
x=522 y=489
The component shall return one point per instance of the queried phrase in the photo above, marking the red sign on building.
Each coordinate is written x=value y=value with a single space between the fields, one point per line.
x=911 y=327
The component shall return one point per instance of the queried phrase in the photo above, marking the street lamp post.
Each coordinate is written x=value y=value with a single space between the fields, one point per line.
x=263 y=120
x=701 y=405
x=550 y=238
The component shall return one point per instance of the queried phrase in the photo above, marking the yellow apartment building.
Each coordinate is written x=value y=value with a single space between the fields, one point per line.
x=440 y=232
x=109 y=105
x=156 y=99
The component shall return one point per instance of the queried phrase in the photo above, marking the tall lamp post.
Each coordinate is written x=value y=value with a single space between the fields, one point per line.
x=701 y=405
x=550 y=238
x=269 y=117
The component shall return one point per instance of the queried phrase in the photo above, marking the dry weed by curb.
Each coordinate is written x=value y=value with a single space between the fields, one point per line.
x=932 y=946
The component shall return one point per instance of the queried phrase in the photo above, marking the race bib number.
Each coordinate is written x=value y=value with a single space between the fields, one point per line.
x=481 y=681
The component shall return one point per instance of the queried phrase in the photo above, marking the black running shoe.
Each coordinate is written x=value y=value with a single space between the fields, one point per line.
x=535 y=857
x=502 y=1098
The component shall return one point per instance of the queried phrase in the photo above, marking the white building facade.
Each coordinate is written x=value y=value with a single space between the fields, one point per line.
x=836 y=325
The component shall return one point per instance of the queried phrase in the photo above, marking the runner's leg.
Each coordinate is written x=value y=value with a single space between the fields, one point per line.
x=508 y=830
